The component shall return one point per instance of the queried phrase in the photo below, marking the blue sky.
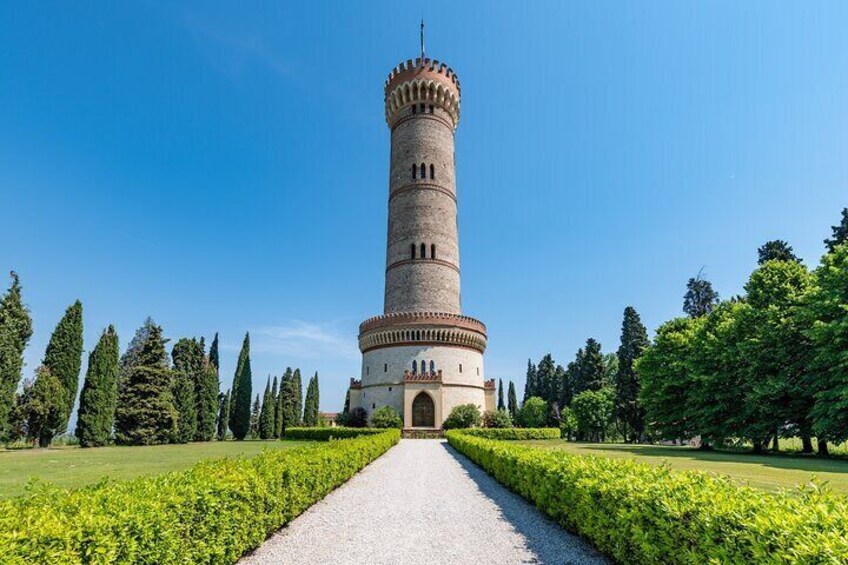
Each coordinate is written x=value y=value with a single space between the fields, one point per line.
x=223 y=166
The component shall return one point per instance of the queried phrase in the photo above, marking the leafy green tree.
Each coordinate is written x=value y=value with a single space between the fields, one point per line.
x=593 y=411
x=666 y=382
x=188 y=362
x=242 y=393
x=15 y=333
x=463 y=416
x=386 y=417
x=776 y=250
x=146 y=414
x=266 y=416
x=310 y=406
x=530 y=381
x=501 y=405
x=275 y=433
x=629 y=413
x=567 y=424
x=99 y=396
x=214 y=358
x=64 y=356
x=512 y=401
x=46 y=406
x=840 y=233
x=255 y=413
x=534 y=413
x=700 y=298
x=223 y=415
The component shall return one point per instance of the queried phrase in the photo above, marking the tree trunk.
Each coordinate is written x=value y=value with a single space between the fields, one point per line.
x=807 y=443
x=775 y=446
x=823 y=450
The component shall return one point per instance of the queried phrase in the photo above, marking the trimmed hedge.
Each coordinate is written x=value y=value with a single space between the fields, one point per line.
x=638 y=513
x=326 y=434
x=513 y=433
x=213 y=512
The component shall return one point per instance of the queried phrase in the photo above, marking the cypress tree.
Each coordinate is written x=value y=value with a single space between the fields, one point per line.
x=255 y=412
x=592 y=370
x=213 y=354
x=146 y=414
x=776 y=250
x=297 y=409
x=207 y=402
x=501 y=405
x=628 y=410
x=310 y=410
x=512 y=401
x=563 y=386
x=187 y=356
x=266 y=416
x=242 y=393
x=99 y=395
x=545 y=379
x=840 y=233
x=64 y=356
x=283 y=409
x=45 y=407
x=223 y=415
x=530 y=381
x=275 y=409
x=15 y=332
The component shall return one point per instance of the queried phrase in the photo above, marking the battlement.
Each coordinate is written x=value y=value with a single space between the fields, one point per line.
x=489 y=385
x=422 y=318
x=355 y=383
x=410 y=377
x=430 y=82
x=431 y=65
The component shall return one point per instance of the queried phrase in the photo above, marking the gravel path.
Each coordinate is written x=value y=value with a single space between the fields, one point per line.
x=422 y=502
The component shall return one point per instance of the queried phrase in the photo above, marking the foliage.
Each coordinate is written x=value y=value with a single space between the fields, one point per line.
x=311 y=403
x=593 y=412
x=266 y=415
x=776 y=250
x=327 y=434
x=501 y=405
x=509 y=434
x=214 y=358
x=700 y=298
x=530 y=386
x=386 y=417
x=188 y=360
x=214 y=512
x=15 y=333
x=355 y=418
x=223 y=416
x=207 y=389
x=297 y=399
x=146 y=414
x=534 y=413
x=275 y=409
x=568 y=426
x=242 y=393
x=463 y=416
x=255 y=412
x=496 y=419
x=629 y=413
x=64 y=356
x=639 y=513
x=289 y=399
x=45 y=405
x=840 y=233
x=589 y=370
x=512 y=401
x=99 y=396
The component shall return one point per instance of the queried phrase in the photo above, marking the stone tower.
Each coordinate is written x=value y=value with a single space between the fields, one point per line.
x=422 y=357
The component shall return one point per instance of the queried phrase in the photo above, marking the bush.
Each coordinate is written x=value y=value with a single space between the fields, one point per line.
x=533 y=413
x=326 y=434
x=496 y=419
x=512 y=433
x=386 y=417
x=212 y=513
x=639 y=513
x=463 y=416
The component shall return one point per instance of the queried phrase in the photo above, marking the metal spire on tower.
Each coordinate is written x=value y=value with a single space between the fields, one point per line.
x=422 y=40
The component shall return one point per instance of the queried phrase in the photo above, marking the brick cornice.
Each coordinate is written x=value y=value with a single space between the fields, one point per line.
x=430 y=261
x=422 y=186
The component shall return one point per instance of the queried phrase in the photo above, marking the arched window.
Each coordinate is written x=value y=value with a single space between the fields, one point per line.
x=414 y=367
x=414 y=171
x=432 y=171
x=414 y=109
x=432 y=366
x=423 y=174
x=432 y=251
x=421 y=108
x=423 y=367
x=412 y=250
x=431 y=108
x=423 y=251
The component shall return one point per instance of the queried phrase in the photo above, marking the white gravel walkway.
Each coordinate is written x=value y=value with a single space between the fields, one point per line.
x=422 y=502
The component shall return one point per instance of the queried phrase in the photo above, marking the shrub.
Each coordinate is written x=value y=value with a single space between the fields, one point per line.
x=533 y=413
x=463 y=416
x=386 y=417
x=356 y=418
x=593 y=412
x=212 y=513
x=513 y=433
x=326 y=434
x=639 y=513
x=496 y=419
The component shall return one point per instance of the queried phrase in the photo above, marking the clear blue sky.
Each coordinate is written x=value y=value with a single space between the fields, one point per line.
x=223 y=167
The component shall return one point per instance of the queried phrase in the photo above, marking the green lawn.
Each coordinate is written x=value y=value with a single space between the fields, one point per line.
x=768 y=472
x=74 y=467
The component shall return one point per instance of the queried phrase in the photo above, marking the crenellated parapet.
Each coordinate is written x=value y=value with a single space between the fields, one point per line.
x=421 y=328
x=427 y=82
x=427 y=377
x=422 y=318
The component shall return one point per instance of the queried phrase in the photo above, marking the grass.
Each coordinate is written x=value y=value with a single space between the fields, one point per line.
x=75 y=467
x=768 y=472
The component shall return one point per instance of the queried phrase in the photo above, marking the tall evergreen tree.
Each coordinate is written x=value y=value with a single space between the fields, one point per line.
x=501 y=405
x=298 y=398
x=776 y=250
x=563 y=386
x=255 y=413
x=99 y=396
x=64 y=356
x=310 y=406
x=275 y=409
x=213 y=354
x=700 y=298
x=15 y=332
x=146 y=414
x=45 y=407
x=530 y=381
x=207 y=402
x=512 y=401
x=223 y=415
x=840 y=233
x=545 y=374
x=284 y=410
x=130 y=358
x=266 y=415
x=242 y=393
x=628 y=410
x=189 y=374
x=591 y=370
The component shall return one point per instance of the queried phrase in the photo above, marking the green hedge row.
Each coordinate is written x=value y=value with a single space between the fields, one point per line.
x=638 y=513
x=513 y=433
x=326 y=434
x=212 y=513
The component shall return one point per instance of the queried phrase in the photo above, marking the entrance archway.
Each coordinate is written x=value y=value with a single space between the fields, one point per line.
x=423 y=411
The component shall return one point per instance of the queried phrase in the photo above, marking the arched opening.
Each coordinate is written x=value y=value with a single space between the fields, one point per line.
x=414 y=367
x=423 y=251
x=432 y=251
x=432 y=366
x=423 y=171
x=412 y=250
x=432 y=171
x=423 y=411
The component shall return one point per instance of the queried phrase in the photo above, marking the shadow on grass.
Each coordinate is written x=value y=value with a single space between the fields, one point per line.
x=544 y=538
